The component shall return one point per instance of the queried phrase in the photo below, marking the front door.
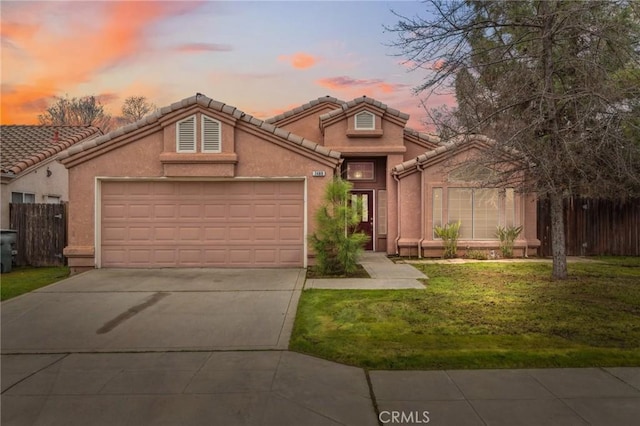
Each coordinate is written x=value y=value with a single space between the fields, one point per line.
x=366 y=215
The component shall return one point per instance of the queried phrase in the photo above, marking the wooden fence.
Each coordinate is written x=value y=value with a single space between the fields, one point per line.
x=594 y=227
x=42 y=233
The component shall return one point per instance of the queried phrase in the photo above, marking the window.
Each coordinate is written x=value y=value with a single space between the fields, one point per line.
x=365 y=121
x=22 y=198
x=509 y=207
x=186 y=135
x=436 y=204
x=211 y=138
x=382 y=212
x=478 y=210
x=363 y=170
x=52 y=199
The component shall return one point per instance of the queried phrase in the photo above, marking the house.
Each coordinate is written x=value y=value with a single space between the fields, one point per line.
x=200 y=183
x=29 y=172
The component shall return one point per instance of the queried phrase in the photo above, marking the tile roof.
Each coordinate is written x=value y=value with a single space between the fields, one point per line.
x=204 y=101
x=308 y=105
x=444 y=147
x=364 y=99
x=428 y=137
x=23 y=146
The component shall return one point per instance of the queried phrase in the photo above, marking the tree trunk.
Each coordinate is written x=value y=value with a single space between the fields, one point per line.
x=558 y=246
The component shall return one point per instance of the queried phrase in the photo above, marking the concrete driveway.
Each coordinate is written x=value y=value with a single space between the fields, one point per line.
x=111 y=310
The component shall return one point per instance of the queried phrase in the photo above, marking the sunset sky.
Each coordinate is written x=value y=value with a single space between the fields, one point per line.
x=262 y=57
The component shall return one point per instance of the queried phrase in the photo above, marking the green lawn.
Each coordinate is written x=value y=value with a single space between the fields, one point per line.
x=26 y=279
x=481 y=315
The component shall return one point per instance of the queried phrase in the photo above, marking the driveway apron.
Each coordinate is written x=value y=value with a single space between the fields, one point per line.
x=109 y=310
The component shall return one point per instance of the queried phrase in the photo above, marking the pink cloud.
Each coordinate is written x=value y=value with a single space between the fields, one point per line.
x=116 y=34
x=368 y=86
x=299 y=60
x=203 y=47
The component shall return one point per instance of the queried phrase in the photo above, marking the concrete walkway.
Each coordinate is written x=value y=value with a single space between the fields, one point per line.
x=385 y=275
x=285 y=388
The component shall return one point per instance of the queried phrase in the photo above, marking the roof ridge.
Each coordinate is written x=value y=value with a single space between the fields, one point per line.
x=303 y=107
x=364 y=99
x=208 y=103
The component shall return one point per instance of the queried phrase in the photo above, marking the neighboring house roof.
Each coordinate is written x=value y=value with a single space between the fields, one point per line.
x=301 y=108
x=23 y=145
x=363 y=99
x=207 y=103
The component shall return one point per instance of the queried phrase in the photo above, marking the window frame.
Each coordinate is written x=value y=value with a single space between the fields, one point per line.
x=23 y=194
x=365 y=112
x=195 y=132
x=202 y=135
x=363 y=178
x=503 y=209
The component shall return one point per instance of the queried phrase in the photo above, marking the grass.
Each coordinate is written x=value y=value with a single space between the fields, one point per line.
x=25 y=279
x=481 y=315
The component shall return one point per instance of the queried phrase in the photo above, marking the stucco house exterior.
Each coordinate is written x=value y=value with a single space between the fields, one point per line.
x=200 y=184
x=29 y=172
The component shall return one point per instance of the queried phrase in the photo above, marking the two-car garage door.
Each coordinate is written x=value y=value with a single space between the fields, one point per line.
x=202 y=224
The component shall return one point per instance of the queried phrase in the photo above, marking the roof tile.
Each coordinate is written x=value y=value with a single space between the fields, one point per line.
x=213 y=105
x=301 y=108
x=26 y=145
x=282 y=133
x=228 y=109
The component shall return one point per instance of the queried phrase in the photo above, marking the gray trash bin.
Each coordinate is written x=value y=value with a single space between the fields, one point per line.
x=7 y=240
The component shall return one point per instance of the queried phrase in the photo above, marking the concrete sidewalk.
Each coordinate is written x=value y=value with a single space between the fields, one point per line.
x=285 y=388
x=385 y=275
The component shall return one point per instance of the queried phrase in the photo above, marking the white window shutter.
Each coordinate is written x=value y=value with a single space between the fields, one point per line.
x=186 y=135
x=365 y=121
x=211 y=135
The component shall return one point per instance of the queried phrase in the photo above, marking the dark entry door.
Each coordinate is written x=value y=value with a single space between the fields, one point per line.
x=366 y=214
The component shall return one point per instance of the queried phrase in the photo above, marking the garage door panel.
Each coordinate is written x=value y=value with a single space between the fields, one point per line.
x=163 y=234
x=290 y=233
x=114 y=234
x=140 y=256
x=190 y=211
x=189 y=234
x=215 y=233
x=290 y=211
x=290 y=256
x=265 y=233
x=114 y=211
x=165 y=211
x=140 y=234
x=202 y=224
x=240 y=212
x=165 y=257
x=214 y=211
x=215 y=256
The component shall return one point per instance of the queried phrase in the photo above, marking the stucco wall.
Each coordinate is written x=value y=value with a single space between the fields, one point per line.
x=335 y=137
x=37 y=182
x=414 y=227
x=258 y=156
x=307 y=124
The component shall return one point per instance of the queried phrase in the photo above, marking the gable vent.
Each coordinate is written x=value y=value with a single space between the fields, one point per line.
x=186 y=135
x=365 y=121
x=211 y=135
